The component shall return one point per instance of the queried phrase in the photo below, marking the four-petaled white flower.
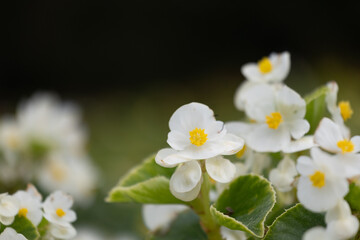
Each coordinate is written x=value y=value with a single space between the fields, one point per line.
x=332 y=138
x=277 y=113
x=272 y=69
x=322 y=183
x=10 y=234
x=195 y=135
x=283 y=176
x=30 y=204
x=9 y=207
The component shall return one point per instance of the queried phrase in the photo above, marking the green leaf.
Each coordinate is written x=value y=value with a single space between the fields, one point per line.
x=147 y=183
x=293 y=223
x=245 y=204
x=353 y=197
x=316 y=107
x=185 y=226
x=23 y=226
x=43 y=227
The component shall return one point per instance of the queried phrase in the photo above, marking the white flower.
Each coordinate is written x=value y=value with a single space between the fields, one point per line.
x=278 y=114
x=322 y=183
x=195 y=134
x=340 y=222
x=269 y=70
x=332 y=137
x=10 y=234
x=229 y=234
x=9 y=207
x=72 y=174
x=65 y=231
x=45 y=122
x=30 y=204
x=159 y=217
x=283 y=176
x=274 y=68
x=317 y=233
x=57 y=209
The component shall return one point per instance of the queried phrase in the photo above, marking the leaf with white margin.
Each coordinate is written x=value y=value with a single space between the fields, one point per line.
x=316 y=107
x=245 y=204
x=146 y=183
x=293 y=223
x=185 y=226
x=23 y=226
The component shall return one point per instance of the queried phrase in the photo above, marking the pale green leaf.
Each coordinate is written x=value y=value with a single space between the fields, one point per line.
x=245 y=204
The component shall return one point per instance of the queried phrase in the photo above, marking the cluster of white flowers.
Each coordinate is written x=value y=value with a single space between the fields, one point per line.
x=55 y=209
x=45 y=142
x=275 y=123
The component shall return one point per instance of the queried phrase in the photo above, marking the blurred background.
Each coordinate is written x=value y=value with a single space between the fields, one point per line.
x=130 y=64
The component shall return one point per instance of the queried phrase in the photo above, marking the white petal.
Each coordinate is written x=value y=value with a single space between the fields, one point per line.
x=342 y=209
x=188 y=196
x=283 y=175
x=178 y=140
x=305 y=165
x=168 y=157
x=63 y=232
x=265 y=139
x=290 y=104
x=301 y=144
x=240 y=129
x=160 y=216
x=356 y=141
x=327 y=135
x=252 y=73
x=281 y=63
x=316 y=233
x=220 y=169
x=186 y=177
x=10 y=234
x=331 y=97
x=344 y=229
x=6 y=220
x=299 y=128
x=241 y=94
x=229 y=234
x=230 y=144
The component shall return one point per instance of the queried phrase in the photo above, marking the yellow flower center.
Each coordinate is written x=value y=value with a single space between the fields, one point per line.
x=23 y=212
x=240 y=153
x=265 y=65
x=274 y=120
x=346 y=146
x=60 y=212
x=198 y=136
x=345 y=110
x=318 y=179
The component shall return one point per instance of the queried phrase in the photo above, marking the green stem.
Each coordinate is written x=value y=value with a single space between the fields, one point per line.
x=201 y=205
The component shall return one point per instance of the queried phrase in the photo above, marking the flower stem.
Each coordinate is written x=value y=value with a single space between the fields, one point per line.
x=201 y=205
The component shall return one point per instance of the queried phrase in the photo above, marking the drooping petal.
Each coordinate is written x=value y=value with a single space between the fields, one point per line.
x=281 y=64
x=188 y=196
x=220 y=169
x=327 y=135
x=316 y=233
x=186 y=177
x=299 y=128
x=230 y=144
x=301 y=144
x=290 y=104
x=168 y=157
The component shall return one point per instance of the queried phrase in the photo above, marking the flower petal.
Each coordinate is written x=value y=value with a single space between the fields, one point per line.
x=186 y=177
x=169 y=158
x=299 y=128
x=220 y=169
x=188 y=196
x=327 y=135
x=290 y=104
x=301 y=144
x=356 y=141
x=230 y=144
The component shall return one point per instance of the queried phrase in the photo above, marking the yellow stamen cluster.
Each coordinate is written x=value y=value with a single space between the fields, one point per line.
x=265 y=65
x=346 y=146
x=318 y=179
x=60 y=212
x=240 y=153
x=23 y=212
x=274 y=120
x=198 y=136
x=345 y=110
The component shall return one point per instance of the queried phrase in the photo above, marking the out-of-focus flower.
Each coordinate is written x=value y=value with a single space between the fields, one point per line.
x=322 y=183
x=66 y=231
x=283 y=176
x=10 y=139
x=30 y=204
x=9 y=207
x=159 y=217
x=340 y=222
x=57 y=208
x=72 y=174
x=317 y=233
x=277 y=113
x=272 y=69
x=331 y=137
x=10 y=234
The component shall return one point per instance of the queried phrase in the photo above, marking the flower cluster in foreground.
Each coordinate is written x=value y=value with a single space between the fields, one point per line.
x=54 y=215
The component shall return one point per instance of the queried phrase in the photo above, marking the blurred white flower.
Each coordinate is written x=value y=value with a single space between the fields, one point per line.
x=317 y=233
x=57 y=208
x=72 y=174
x=9 y=207
x=159 y=217
x=272 y=69
x=46 y=124
x=229 y=234
x=283 y=176
x=66 y=231
x=322 y=183
x=340 y=222
x=332 y=137
x=30 y=205
x=277 y=113
x=10 y=139
x=10 y=234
